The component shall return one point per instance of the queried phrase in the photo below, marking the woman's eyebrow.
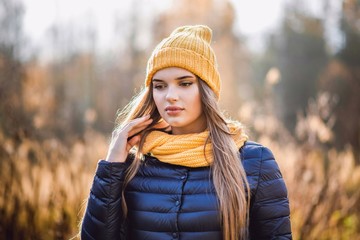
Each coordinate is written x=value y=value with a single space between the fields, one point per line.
x=156 y=80
x=184 y=77
x=178 y=78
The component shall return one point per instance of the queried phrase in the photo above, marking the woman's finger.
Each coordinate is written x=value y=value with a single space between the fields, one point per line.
x=132 y=142
x=121 y=143
x=137 y=121
x=128 y=127
x=138 y=128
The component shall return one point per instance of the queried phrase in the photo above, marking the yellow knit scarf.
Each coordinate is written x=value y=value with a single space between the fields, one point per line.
x=187 y=149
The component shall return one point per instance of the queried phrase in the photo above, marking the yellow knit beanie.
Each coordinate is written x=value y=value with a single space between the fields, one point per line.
x=187 y=47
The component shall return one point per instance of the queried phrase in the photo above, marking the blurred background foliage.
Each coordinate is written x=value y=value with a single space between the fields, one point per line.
x=298 y=95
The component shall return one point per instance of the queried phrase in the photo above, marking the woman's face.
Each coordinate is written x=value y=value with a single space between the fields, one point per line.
x=177 y=98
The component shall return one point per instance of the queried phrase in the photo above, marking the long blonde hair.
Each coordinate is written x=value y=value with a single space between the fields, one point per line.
x=229 y=177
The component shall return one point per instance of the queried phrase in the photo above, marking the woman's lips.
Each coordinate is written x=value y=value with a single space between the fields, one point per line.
x=173 y=110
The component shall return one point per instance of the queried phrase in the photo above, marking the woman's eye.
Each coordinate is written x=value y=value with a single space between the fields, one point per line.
x=186 y=84
x=158 y=86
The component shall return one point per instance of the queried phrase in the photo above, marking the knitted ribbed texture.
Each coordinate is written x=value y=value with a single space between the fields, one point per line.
x=186 y=149
x=187 y=47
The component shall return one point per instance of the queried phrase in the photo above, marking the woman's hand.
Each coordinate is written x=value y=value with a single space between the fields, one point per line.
x=124 y=139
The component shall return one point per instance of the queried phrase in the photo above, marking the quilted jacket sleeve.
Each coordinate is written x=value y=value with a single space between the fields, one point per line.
x=103 y=215
x=269 y=213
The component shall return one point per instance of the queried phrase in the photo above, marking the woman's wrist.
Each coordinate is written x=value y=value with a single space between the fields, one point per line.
x=115 y=158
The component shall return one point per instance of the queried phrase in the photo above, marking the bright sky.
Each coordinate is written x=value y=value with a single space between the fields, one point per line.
x=254 y=17
x=40 y=14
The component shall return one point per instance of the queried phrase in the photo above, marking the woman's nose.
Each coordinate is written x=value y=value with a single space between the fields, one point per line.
x=172 y=94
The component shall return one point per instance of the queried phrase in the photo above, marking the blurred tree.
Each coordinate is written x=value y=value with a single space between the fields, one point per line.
x=299 y=51
x=14 y=122
x=128 y=73
x=342 y=79
x=123 y=70
x=39 y=105
x=72 y=77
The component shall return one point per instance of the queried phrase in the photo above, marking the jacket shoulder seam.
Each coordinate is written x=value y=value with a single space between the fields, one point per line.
x=260 y=168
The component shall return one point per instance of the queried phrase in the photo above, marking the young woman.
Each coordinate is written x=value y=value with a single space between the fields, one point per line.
x=176 y=168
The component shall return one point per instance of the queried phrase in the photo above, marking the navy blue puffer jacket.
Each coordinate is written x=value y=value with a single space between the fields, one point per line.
x=175 y=202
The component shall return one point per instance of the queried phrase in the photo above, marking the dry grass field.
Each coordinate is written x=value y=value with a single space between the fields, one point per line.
x=44 y=185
